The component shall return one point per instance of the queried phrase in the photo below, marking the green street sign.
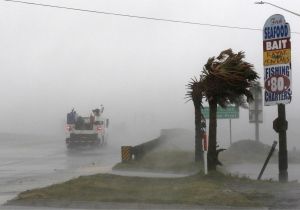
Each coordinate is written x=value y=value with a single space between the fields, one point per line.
x=231 y=112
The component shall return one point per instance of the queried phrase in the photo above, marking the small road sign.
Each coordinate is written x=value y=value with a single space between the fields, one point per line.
x=231 y=112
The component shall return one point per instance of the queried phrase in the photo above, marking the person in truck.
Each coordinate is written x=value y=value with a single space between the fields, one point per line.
x=97 y=116
x=71 y=117
x=92 y=120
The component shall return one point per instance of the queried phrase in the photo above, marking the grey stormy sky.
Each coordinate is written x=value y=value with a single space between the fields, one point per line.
x=53 y=59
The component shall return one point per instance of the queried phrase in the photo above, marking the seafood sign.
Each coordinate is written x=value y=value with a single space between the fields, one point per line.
x=277 y=61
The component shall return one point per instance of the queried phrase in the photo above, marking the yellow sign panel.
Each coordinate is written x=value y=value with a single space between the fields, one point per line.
x=275 y=57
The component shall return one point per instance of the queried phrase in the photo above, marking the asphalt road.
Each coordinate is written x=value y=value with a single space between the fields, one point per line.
x=29 y=161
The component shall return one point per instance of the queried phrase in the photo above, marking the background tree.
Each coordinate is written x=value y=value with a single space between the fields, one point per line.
x=226 y=79
x=195 y=93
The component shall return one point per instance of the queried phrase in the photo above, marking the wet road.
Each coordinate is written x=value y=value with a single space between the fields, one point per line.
x=28 y=162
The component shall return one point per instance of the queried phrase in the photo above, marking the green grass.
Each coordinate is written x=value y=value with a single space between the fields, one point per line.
x=216 y=189
x=172 y=161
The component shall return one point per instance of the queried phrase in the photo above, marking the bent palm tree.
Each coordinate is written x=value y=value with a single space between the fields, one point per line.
x=195 y=93
x=227 y=79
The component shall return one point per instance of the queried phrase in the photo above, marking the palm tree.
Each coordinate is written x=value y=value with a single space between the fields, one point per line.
x=226 y=79
x=195 y=93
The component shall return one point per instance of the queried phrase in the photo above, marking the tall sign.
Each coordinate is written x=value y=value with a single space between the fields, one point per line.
x=277 y=75
x=277 y=61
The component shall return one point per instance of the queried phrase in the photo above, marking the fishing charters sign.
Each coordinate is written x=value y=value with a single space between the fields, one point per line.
x=277 y=61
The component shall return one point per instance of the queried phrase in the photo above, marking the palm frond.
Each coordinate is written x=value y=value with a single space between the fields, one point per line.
x=227 y=78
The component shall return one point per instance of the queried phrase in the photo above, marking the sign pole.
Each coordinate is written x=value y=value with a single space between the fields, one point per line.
x=283 y=155
x=205 y=148
x=256 y=131
x=205 y=162
x=230 y=134
x=256 y=115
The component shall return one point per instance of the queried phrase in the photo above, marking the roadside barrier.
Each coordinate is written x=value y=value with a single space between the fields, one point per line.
x=139 y=151
x=126 y=152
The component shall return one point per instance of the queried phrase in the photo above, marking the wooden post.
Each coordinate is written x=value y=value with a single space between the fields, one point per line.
x=280 y=125
x=283 y=159
x=267 y=160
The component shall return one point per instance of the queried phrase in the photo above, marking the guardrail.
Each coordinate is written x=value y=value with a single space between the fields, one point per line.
x=139 y=151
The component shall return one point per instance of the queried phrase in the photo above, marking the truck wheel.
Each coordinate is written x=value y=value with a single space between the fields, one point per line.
x=69 y=146
x=68 y=143
x=104 y=143
x=98 y=142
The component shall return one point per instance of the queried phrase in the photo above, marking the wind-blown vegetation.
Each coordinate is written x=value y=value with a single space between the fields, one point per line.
x=224 y=80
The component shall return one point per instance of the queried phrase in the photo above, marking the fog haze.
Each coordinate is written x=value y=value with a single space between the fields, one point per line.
x=54 y=59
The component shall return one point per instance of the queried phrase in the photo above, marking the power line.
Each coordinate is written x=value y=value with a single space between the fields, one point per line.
x=136 y=16
x=131 y=16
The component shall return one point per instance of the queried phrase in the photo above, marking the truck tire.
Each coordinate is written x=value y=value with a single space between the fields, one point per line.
x=98 y=142
x=70 y=146
x=68 y=143
x=103 y=140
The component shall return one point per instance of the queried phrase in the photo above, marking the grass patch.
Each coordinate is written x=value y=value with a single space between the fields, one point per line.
x=171 y=161
x=216 y=189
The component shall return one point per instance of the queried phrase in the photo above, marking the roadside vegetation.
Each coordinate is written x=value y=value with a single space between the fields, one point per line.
x=224 y=80
x=175 y=160
x=215 y=189
x=166 y=161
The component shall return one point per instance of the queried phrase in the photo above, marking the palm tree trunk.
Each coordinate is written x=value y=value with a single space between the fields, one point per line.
x=212 y=139
x=198 y=134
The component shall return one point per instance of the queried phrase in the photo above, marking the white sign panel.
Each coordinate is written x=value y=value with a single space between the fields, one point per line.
x=256 y=106
x=277 y=61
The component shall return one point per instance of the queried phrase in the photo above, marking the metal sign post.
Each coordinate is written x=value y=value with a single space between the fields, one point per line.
x=230 y=135
x=205 y=148
x=277 y=77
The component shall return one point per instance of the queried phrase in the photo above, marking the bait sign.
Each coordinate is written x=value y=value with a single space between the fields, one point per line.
x=277 y=61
